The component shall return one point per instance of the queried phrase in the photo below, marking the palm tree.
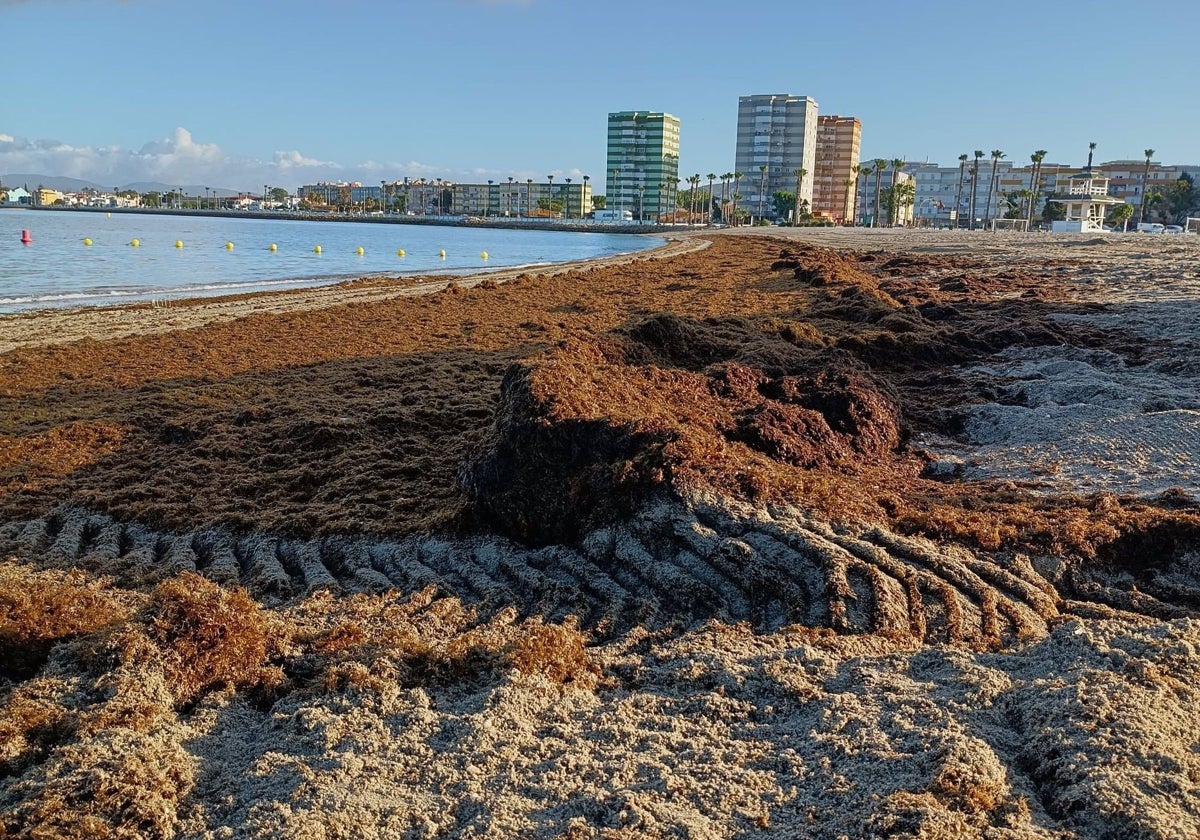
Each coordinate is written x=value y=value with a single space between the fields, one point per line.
x=994 y=179
x=1091 y=150
x=897 y=165
x=1034 y=182
x=582 y=207
x=737 y=185
x=975 y=185
x=864 y=172
x=694 y=183
x=880 y=165
x=567 y=200
x=711 y=176
x=1149 y=153
x=725 y=179
x=528 y=197
x=799 y=173
x=549 y=196
x=762 y=188
x=847 y=205
x=962 y=171
x=510 y=195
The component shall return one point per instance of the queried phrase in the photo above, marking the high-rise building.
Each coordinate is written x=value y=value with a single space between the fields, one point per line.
x=836 y=170
x=777 y=131
x=643 y=162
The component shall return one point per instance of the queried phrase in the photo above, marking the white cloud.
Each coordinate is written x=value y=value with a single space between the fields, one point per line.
x=181 y=159
x=295 y=160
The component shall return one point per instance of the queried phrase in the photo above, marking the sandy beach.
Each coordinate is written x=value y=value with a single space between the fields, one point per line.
x=769 y=532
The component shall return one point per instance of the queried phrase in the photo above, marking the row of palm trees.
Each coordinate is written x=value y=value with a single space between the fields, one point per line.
x=1035 y=182
x=877 y=167
x=993 y=184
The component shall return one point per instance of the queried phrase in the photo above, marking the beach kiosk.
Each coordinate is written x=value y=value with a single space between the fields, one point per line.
x=1087 y=201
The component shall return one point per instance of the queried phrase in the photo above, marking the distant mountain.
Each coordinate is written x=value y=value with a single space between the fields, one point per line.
x=63 y=184
x=54 y=182
x=188 y=189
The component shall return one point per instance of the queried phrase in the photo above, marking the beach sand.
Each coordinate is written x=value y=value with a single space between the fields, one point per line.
x=822 y=532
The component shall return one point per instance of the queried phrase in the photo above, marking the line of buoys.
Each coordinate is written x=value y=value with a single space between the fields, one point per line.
x=27 y=239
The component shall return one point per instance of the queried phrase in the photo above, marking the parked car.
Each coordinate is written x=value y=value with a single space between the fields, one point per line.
x=1173 y=229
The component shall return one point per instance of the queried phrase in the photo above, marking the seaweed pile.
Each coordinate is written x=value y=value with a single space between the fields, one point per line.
x=542 y=517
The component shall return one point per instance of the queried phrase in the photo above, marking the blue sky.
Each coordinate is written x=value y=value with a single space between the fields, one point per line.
x=238 y=94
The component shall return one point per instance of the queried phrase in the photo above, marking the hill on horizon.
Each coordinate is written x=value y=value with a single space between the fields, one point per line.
x=32 y=181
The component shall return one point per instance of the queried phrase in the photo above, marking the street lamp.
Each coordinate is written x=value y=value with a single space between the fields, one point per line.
x=582 y=209
x=616 y=194
x=528 y=197
x=510 y=196
x=549 y=196
x=567 y=201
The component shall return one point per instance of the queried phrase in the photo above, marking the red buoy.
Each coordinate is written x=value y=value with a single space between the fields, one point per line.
x=26 y=238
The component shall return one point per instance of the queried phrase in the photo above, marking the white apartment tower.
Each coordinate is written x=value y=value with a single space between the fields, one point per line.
x=778 y=131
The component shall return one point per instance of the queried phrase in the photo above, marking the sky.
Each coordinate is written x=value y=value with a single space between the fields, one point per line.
x=241 y=93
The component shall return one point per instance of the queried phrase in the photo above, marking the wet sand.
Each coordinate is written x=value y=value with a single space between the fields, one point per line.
x=823 y=533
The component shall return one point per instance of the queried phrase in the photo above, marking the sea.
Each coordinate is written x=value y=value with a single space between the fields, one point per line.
x=57 y=269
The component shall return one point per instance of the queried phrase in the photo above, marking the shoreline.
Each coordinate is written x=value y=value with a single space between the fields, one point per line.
x=447 y=220
x=63 y=325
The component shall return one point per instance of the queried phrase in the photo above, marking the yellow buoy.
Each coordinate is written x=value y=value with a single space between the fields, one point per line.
x=483 y=256
x=317 y=249
x=400 y=252
x=359 y=251
x=228 y=246
x=178 y=243
x=442 y=254
x=135 y=242
x=108 y=215
x=87 y=242
x=273 y=247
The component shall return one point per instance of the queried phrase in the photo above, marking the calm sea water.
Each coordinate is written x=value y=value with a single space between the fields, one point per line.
x=57 y=269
